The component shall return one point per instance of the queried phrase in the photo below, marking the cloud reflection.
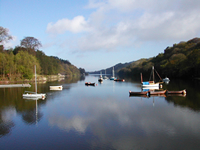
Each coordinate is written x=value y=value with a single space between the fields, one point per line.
x=126 y=124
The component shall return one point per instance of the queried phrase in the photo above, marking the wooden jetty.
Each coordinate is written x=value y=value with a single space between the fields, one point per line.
x=14 y=85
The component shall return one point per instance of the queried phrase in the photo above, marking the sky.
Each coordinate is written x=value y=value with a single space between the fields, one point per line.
x=98 y=34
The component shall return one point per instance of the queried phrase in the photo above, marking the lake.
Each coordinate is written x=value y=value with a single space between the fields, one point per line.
x=100 y=117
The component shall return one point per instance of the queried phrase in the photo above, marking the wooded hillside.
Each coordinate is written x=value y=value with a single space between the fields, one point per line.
x=180 y=61
x=19 y=64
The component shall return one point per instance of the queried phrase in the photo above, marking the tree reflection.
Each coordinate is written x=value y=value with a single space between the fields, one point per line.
x=5 y=128
x=31 y=117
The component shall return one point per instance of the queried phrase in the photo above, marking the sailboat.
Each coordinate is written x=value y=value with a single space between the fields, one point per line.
x=105 y=77
x=100 y=78
x=34 y=95
x=150 y=84
x=113 y=73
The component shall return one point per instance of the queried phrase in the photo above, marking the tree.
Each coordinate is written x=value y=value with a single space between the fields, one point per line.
x=25 y=64
x=30 y=43
x=4 y=36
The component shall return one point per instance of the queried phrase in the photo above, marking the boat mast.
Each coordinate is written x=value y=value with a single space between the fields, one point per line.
x=113 y=72
x=35 y=81
x=153 y=72
x=141 y=77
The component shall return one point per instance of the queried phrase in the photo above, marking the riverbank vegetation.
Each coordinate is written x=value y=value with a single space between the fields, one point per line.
x=18 y=63
x=182 y=60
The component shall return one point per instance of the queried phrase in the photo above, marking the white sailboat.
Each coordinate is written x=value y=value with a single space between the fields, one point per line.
x=113 y=73
x=105 y=77
x=150 y=84
x=34 y=95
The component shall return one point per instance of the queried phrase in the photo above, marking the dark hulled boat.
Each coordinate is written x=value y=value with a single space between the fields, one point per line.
x=89 y=83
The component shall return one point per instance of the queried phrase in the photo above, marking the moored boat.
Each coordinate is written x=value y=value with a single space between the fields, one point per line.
x=166 y=79
x=105 y=77
x=121 y=80
x=58 y=87
x=176 y=92
x=131 y=93
x=113 y=73
x=34 y=95
x=100 y=78
x=150 y=84
x=157 y=92
x=89 y=83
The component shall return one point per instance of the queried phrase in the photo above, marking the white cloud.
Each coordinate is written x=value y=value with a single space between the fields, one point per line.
x=95 y=4
x=77 y=24
x=119 y=23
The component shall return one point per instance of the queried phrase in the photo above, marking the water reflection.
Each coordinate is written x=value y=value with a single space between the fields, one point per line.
x=32 y=116
x=127 y=124
x=100 y=117
x=6 y=122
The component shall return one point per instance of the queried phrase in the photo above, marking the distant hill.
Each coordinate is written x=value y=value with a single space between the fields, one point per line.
x=117 y=67
x=182 y=60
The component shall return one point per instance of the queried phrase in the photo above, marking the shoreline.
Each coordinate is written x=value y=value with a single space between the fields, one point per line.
x=40 y=78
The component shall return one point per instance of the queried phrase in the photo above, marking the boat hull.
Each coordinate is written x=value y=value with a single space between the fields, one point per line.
x=56 y=87
x=32 y=96
x=157 y=92
x=177 y=92
x=156 y=85
x=120 y=80
x=138 y=93
x=112 y=78
x=100 y=79
x=89 y=83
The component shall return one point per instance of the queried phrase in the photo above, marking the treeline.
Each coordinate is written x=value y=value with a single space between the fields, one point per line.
x=180 y=61
x=19 y=64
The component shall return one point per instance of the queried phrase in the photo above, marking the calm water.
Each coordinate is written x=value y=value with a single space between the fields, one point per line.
x=100 y=117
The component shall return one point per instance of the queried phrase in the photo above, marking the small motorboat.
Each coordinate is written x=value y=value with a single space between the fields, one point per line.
x=166 y=80
x=100 y=78
x=57 y=87
x=131 y=93
x=120 y=80
x=176 y=92
x=89 y=83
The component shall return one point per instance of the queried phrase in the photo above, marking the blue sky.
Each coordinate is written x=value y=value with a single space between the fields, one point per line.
x=97 y=34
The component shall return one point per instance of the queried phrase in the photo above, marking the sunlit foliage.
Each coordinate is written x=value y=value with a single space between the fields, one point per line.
x=180 y=61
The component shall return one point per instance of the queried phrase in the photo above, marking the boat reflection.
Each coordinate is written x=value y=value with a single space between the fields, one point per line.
x=32 y=116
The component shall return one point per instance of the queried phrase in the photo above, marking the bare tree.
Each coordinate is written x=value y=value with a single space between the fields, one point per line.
x=4 y=36
x=30 y=43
